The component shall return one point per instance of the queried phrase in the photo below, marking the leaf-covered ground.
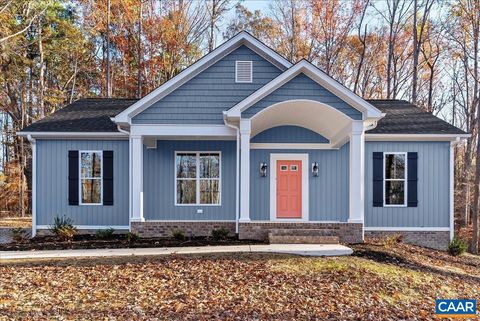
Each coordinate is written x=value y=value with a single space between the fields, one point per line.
x=16 y=222
x=378 y=283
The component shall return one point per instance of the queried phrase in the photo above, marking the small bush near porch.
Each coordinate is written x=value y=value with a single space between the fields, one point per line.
x=378 y=282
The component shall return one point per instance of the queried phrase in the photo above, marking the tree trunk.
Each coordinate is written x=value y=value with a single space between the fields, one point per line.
x=139 y=51
x=109 y=82
x=415 y=54
x=41 y=80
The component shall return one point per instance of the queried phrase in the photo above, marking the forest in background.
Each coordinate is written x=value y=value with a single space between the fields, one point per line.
x=53 y=52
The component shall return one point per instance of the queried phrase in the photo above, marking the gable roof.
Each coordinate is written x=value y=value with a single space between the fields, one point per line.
x=93 y=115
x=83 y=115
x=315 y=74
x=403 y=117
x=242 y=38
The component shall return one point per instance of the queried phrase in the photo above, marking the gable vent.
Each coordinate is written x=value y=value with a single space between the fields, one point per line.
x=243 y=71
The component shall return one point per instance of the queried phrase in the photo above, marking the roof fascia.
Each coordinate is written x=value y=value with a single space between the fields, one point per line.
x=243 y=38
x=368 y=110
x=74 y=135
x=414 y=137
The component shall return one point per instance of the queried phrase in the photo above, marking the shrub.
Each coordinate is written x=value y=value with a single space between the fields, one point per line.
x=131 y=237
x=179 y=235
x=221 y=233
x=18 y=234
x=457 y=246
x=66 y=233
x=105 y=234
x=63 y=228
x=393 y=239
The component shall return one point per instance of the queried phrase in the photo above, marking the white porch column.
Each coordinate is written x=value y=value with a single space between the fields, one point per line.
x=357 y=169
x=136 y=178
x=245 y=129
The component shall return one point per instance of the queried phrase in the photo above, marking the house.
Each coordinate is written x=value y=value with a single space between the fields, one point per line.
x=246 y=140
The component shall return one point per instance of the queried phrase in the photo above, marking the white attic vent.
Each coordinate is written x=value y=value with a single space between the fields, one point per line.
x=243 y=71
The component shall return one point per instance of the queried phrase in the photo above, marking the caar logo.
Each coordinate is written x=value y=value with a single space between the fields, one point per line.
x=456 y=308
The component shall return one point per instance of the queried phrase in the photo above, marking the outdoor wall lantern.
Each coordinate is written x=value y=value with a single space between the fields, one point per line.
x=315 y=169
x=263 y=169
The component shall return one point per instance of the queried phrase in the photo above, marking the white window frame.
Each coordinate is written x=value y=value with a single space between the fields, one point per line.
x=405 y=201
x=236 y=71
x=197 y=178
x=80 y=178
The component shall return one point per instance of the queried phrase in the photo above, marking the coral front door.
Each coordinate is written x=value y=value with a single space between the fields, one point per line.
x=289 y=189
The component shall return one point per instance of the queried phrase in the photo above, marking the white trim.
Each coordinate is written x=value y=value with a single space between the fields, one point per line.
x=273 y=186
x=80 y=178
x=242 y=38
x=34 y=185
x=452 y=191
x=414 y=137
x=356 y=194
x=236 y=71
x=404 y=180
x=182 y=130
x=290 y=146
x=72 y=135
x=237 y=171
x=188 y=221
x=90 y=227
x=245 y=130
x=315 y=74
x=408 y=229
x=136 y=178
x=197 y=178
x=297 y=221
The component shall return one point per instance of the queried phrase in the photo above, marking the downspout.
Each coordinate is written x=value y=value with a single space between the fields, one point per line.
x=129 y=173
x=237 y=169
x=34 y=184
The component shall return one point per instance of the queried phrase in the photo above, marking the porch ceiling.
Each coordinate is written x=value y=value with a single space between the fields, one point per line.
x=316 y=116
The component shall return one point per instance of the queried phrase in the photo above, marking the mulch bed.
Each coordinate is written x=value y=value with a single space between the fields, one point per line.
x=118 y=241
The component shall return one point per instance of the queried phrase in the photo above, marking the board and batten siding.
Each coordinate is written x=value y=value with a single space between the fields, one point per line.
x=433 y=187
x=52 y=183
x=328 y=195
x=289 y=134
x=302 y=87
x=202 y=99
x=159 y=181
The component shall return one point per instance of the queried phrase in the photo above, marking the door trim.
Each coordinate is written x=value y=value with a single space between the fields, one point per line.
x=273 y=185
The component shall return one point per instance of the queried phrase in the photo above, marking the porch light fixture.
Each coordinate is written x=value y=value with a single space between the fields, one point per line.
x=315 y=169
x=263 y=169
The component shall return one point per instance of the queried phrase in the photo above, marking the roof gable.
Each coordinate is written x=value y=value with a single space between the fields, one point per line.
x=243 y=38
x=203 y=98
x=305 y=67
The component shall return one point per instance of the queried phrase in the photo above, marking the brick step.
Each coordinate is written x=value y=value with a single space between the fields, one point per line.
x=305 y=232
x=302 y=239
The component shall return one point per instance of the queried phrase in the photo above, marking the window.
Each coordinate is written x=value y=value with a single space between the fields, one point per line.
x=395 y=172
x=243 y=71
x=197 y=178
x=90 y=177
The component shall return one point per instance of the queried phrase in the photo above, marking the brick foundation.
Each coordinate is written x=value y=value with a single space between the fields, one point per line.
x=346 y=232
x=190 y=228
x=433 y=239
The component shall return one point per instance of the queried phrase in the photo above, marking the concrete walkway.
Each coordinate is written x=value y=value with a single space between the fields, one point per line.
x=297 y=249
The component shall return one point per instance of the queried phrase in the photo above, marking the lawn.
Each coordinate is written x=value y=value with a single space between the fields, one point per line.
x=380 y=282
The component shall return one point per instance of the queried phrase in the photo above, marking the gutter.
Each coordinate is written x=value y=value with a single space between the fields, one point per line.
x=237 y=170
x=34 y=184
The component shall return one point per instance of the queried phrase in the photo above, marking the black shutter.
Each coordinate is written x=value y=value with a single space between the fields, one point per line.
x=412 y=169
x=73 y=177
x=107 y=177
x=377 y=179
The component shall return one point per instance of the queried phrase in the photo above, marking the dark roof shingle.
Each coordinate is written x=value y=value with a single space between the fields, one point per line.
x=93 y=115
x=402 y=117
x=84 y=115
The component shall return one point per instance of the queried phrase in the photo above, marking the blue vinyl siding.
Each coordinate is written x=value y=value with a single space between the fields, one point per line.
x=433 y=187
x=52 y=183
x=302 y=87
x=328 y=195
x=159 y=181
x=289 y=134
x=202 y=99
